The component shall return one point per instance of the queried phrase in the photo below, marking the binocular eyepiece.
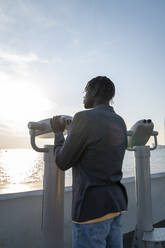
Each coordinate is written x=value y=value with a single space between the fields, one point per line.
x=147 y=121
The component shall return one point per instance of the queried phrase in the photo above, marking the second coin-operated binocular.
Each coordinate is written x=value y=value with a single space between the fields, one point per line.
x=140 y=133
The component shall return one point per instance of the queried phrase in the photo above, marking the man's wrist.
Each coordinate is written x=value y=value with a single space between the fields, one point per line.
x=58 y=133
x=59 y=139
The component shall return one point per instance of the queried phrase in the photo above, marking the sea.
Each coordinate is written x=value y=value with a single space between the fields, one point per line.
x=23 y=169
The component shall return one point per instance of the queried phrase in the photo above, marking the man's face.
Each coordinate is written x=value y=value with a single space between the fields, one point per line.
x=88 y=100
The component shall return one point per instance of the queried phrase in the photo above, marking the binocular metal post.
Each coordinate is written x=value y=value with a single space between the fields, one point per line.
x=145 y=235
x=53 y=194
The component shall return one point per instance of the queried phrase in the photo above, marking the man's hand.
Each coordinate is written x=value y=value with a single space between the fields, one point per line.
x=57 y=124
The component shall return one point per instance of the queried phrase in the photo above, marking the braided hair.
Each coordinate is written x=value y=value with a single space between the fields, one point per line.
x=102 y=87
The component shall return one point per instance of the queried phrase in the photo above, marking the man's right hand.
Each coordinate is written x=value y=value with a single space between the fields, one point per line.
x=59 y=123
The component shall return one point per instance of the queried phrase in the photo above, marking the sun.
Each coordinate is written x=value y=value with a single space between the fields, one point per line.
x=22 y=102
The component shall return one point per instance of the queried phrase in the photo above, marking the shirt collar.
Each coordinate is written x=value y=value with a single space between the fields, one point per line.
x=100 y=106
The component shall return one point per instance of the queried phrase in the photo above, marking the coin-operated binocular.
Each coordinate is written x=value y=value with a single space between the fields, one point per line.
x=53 y=185
x=138 y=136
x=42 y=129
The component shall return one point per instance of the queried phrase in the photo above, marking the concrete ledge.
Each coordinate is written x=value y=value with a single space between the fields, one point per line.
x=20 y=195
x=21 y=214
x=128 y=237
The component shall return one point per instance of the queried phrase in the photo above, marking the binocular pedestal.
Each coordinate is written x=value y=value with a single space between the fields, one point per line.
x=145 y=235
x=53 y=202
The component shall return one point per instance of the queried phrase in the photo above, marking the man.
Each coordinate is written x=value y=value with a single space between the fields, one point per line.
x=95 y=149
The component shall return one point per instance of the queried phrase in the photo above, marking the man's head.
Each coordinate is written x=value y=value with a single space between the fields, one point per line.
x=99 y=90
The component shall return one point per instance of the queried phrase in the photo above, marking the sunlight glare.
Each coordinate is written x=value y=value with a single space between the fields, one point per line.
x=22 y=102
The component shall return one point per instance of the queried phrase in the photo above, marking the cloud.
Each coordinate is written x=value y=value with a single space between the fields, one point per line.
x=26 y=12
x=12 y=62
x=15 y=58
x=12 y=57
x=5 y=20
x=33 y=13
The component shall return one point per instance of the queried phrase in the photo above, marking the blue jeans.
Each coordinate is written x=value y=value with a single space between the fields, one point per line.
x=104 y=234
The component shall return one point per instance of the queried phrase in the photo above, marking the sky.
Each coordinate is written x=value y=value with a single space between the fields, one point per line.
x=49 y=50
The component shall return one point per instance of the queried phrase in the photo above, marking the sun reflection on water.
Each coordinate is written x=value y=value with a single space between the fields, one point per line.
x=20 y=166
x=22 y=170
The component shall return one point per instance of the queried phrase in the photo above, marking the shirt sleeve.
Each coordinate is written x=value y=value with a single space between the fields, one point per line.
x=69 y=151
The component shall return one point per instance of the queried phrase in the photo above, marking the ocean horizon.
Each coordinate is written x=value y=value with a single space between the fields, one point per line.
x=23 y=169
